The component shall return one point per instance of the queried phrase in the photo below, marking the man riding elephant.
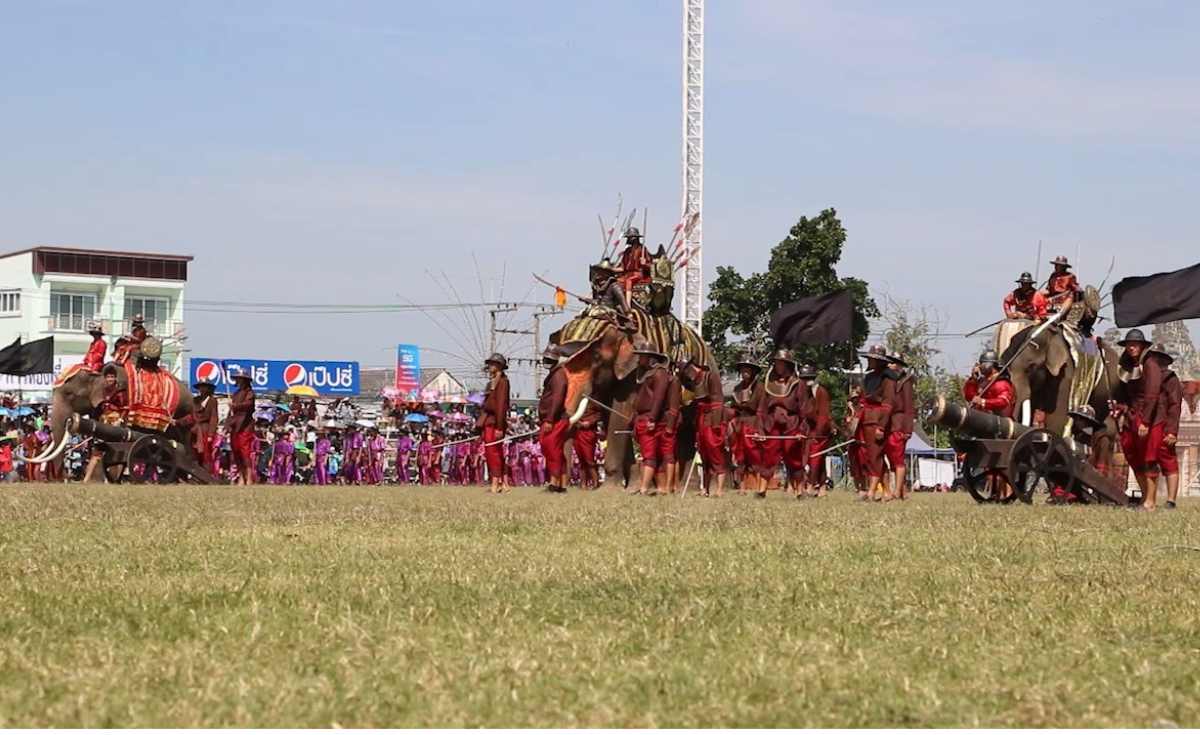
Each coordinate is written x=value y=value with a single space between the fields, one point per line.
x=84 y=393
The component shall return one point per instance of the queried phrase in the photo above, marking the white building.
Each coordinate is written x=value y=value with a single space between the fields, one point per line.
x=55 y=291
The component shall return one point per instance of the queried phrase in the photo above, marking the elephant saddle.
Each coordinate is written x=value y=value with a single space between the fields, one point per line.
x=153 y=398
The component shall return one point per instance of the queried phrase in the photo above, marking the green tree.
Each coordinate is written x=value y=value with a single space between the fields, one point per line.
x=802 y=264
x=912 y=331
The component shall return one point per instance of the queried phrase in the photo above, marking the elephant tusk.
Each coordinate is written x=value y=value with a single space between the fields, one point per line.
x=578 y=412
x=62 y=444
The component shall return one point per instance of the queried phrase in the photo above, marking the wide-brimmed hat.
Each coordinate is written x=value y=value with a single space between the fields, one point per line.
x=1086 y=415
x=137 y=321
x=498 y=360
x=605 y=266
x=1026 y=278
x=95 y=328
x=1133 y=336
x=807 y=371
x=204 y=384
x=897 y=358
x=744 y=361
x=633 y=234
x=1158 y=349
x=551 y=354
x=875 y=352
x=1061 y=260
x=642 y=346
x=237 y=373
x=786 y=355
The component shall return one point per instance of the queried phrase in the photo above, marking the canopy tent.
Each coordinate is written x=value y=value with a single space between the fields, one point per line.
x=920 y=446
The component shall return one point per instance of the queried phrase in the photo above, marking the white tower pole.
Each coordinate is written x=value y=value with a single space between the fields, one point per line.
x=691 y=305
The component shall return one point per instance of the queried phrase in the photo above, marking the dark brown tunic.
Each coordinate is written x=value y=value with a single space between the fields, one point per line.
x=494 y=412
x=651 y=401
x=554 y=396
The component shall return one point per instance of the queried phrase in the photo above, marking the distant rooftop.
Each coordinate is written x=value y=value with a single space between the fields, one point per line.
x=112 y=263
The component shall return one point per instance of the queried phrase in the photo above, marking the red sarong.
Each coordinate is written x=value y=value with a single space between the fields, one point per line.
x=553 y=441
x=1142 y=452
x=649 y=442
x=710 y=440
x=493 y=455
x=584 y=444
x=816 y=464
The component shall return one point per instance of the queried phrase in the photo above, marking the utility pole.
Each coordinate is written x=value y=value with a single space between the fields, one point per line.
x=500 y=309
x=537 y=342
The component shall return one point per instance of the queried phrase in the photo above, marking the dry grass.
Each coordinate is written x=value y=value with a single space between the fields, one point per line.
x=376 y=607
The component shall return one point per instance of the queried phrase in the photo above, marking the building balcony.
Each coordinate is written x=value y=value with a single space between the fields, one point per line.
x=63 y=325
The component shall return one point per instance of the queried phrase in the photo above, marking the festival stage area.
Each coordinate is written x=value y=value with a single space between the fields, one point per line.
x=294 y=606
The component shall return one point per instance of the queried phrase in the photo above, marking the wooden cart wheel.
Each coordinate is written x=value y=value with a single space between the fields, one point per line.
x=153 y=459
x=1039 y=457
x=980 y=475
x=114 y=461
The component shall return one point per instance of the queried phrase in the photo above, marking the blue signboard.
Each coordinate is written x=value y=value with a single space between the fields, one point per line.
x=326 y=377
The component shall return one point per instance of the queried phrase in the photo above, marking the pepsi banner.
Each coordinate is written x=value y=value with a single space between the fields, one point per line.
x=408 y=370
x=326 y=377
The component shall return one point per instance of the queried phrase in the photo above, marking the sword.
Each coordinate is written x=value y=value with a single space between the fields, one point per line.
x=823 y=452
x=606 y=407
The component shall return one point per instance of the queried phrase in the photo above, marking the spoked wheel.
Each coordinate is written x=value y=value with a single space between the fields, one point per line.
x=153 y=459
x=981 y=475
x=1039 y=457
x=114 y=462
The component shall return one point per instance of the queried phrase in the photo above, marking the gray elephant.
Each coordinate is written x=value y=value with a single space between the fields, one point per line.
x=83 y=392
x=1044 y=372
x=602 y=365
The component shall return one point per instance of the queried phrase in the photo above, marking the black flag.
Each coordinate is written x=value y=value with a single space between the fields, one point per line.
x=1162 y=297
x=34 y=358
x=815 y=320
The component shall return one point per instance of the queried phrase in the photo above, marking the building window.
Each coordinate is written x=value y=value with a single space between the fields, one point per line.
x=72 y=310
x=10 y=302
x=153 y=309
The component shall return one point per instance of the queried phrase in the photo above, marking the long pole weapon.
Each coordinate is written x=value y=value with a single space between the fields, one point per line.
x=606 y=407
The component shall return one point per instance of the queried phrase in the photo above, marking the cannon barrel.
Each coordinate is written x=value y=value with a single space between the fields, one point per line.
x=102 y=431
x=970 y=421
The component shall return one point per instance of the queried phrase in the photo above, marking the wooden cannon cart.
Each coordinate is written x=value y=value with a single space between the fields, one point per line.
x=140 y=456
x=1026 y=457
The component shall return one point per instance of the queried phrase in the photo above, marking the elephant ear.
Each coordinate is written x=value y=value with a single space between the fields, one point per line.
x=1057 y=354
x=625 y=362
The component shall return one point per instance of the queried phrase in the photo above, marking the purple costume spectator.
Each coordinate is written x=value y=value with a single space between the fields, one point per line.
x=283 y=460
x=404 y=447
x=321 y=451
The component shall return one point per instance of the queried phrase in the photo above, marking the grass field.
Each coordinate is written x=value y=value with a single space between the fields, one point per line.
x=414 y=607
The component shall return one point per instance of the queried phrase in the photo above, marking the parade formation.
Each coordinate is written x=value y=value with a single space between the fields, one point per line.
x=633 y=398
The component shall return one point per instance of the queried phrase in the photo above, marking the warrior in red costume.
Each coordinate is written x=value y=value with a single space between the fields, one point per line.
x=1062 y=286
x=493 y=421
x=635 y=263
x=710 y=425
x=986 y=390
x=1025 y=301
x=552 y=417
x=649 y=410
x=130 y=343
x=93 y=361
x=874 y=419
x=820 y=429
x=747 y=394
x=900 y=429
x=1138 y=397
x=1170 y=407
x=240 y=425
x=781 y=420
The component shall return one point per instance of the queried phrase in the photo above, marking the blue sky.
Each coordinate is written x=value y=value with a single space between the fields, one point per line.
x=338 y=153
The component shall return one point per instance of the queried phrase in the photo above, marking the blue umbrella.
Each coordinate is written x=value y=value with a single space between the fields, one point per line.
x=6 y=412
x=417 y=418
x=25 y=411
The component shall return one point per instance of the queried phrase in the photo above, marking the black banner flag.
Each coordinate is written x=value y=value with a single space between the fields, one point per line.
x=34 y=358
x=1162 y=297
x=815 y=320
